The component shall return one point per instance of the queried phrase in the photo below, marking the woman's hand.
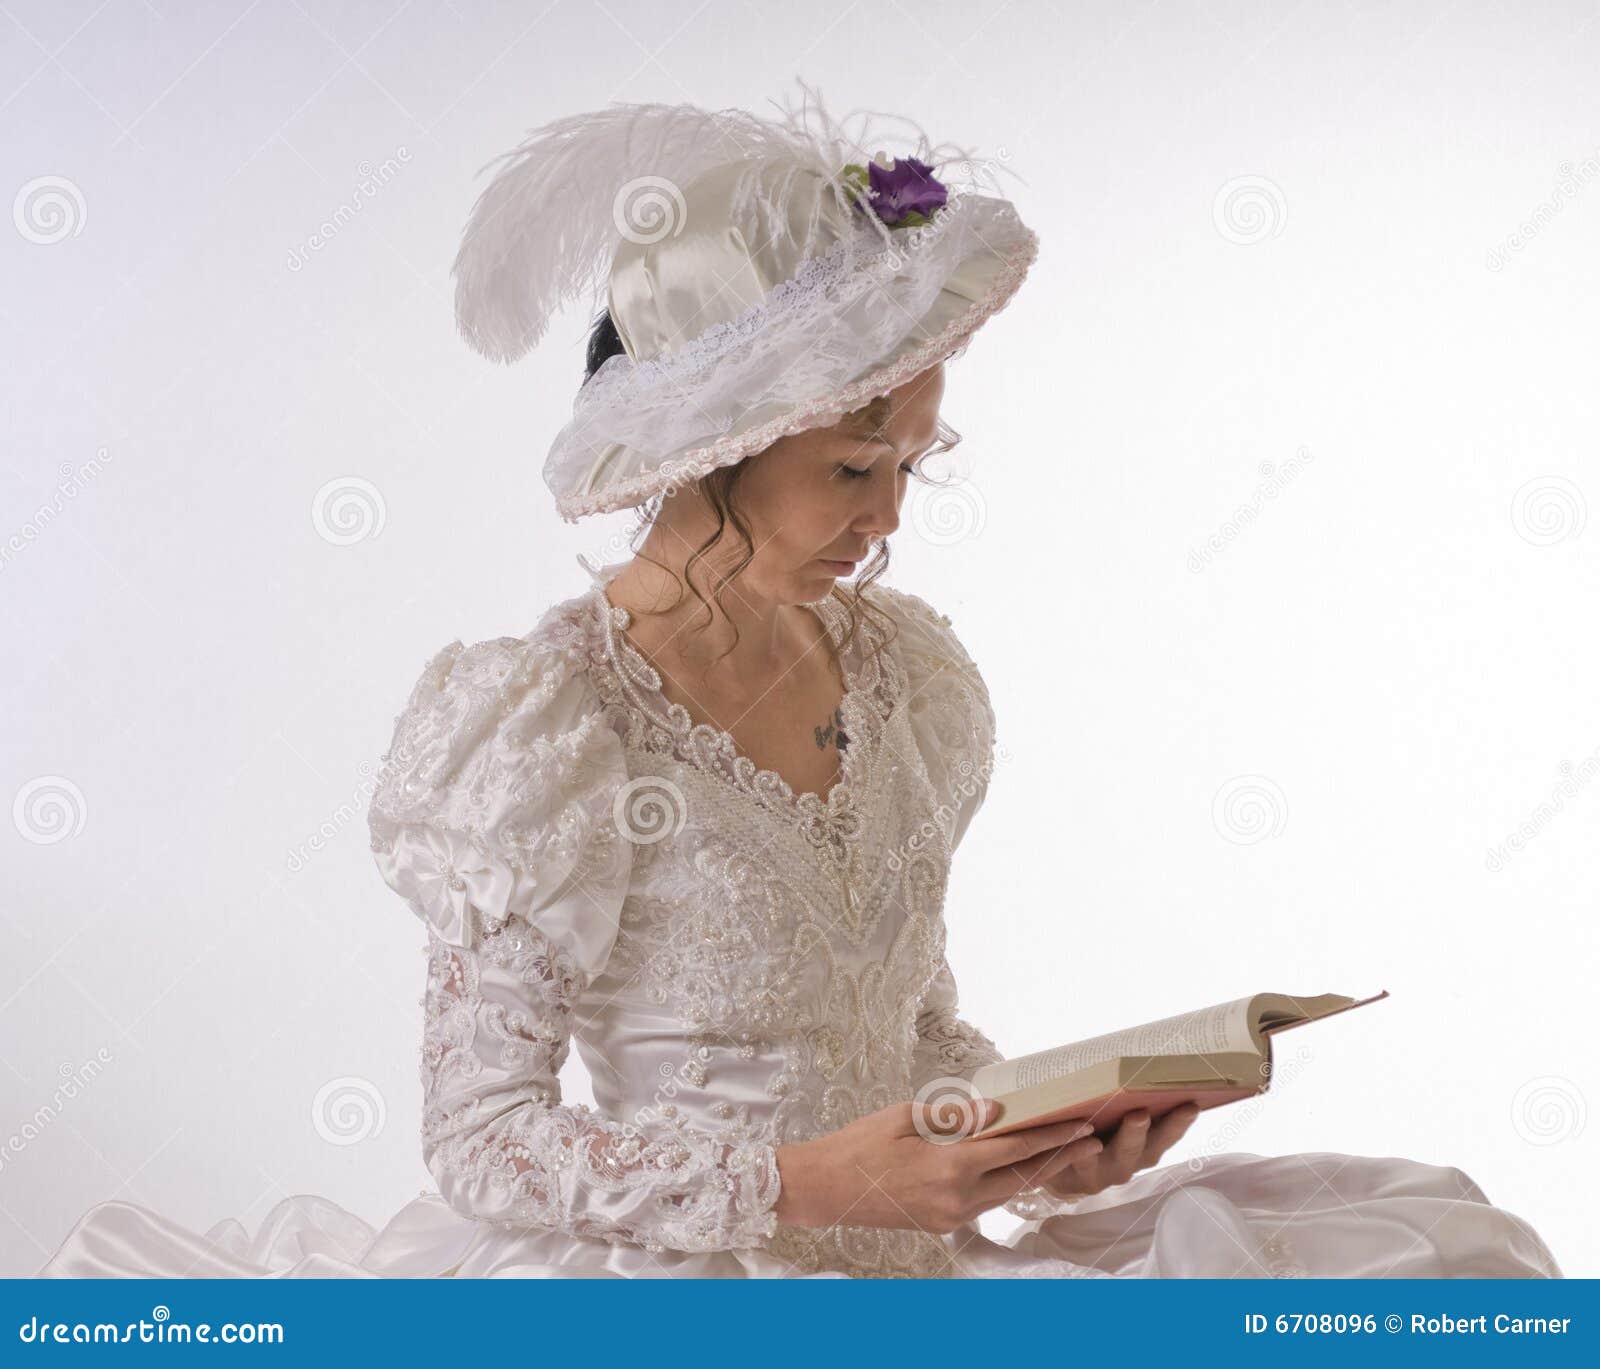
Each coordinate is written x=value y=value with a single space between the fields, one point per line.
x=1136 y=1145
x=914 y=1166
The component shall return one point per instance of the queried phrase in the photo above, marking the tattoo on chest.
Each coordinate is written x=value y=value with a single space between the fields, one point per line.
x=832 y=730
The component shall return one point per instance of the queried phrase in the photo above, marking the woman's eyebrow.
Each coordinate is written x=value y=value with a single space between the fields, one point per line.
x=883 y=441
x=875 y=436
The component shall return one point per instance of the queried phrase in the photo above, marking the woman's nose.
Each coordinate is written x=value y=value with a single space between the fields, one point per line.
x=883 y=515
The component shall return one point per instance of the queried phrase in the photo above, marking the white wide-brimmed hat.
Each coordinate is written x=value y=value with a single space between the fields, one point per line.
x=765 y=276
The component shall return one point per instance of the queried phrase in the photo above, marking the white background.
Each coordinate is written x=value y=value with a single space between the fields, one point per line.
x=1381 y=324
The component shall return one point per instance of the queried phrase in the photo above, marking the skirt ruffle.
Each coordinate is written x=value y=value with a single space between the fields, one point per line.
x=1315 y=1215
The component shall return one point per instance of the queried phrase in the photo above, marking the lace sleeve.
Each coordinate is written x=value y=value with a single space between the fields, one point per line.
x=504 y=1148
x=947 y=1045
x=494 y=819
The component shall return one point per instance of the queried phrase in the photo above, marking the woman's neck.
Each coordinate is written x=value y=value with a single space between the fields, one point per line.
x=737 y=635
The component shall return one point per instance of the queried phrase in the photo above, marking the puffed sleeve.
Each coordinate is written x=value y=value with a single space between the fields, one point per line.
x=949 y=709
x=954 y=725
x=493 y=820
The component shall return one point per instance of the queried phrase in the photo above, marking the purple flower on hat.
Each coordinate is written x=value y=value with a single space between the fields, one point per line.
x=903 y=192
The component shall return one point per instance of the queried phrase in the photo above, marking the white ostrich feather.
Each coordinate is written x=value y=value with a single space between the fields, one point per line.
x=545 y=228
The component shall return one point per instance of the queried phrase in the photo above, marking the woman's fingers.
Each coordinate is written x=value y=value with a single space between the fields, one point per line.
x=1126 y=1151
x=1001 y=1152
x=1126 y=1155
x=1054 y=1158
x=1167 y=1132
x=1082 y=1152
x=1001 y=1184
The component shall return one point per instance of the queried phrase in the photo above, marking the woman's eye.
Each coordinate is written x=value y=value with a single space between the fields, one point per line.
x=851 y=473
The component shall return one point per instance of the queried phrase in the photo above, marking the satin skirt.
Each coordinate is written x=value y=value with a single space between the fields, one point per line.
x=1314 y=1215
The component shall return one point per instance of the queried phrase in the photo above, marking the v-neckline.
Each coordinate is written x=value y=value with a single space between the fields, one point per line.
x=825 y=819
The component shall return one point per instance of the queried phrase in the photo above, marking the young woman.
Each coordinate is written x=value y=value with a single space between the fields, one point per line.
x=699 y=820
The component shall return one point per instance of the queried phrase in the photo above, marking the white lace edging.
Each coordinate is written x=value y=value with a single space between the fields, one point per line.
x=699 y=460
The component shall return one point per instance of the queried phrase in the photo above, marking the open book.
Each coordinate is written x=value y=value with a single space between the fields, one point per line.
x=1209 y=1057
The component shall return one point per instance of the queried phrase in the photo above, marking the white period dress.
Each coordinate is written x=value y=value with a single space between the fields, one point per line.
x=739 y=967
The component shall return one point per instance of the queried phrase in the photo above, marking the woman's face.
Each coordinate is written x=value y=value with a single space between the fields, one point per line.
x=816 y=501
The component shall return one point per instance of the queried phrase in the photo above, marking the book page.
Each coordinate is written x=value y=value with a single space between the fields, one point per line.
x=1222 y=1027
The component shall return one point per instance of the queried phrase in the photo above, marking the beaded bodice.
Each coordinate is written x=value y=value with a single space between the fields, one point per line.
x=739 y=966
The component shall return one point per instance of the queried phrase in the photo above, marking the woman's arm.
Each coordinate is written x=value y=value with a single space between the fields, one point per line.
x=947 y=1045
x=494 y=819
x=503 y=1147
x=954 y=723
